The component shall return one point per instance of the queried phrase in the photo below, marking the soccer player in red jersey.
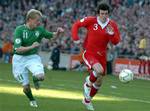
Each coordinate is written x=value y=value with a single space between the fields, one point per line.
x=101 y=30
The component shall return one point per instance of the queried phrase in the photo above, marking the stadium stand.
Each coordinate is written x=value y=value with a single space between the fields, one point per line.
x=132 y=17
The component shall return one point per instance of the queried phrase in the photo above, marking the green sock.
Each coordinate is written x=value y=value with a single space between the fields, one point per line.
x=29 y=95
x=35 y=79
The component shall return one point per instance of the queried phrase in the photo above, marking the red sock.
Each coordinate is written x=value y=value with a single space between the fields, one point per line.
x=94 y=90
x=87 y=101
x=93 y=76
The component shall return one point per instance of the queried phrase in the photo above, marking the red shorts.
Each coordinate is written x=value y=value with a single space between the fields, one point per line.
x=91 y=59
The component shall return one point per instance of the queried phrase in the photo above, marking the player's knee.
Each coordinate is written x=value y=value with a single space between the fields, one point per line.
x=40 y=77
x=98 y=69
x=99 y=80
x=98 y=84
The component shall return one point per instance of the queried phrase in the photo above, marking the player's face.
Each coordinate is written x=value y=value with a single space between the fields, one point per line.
x=36 y=21
x=103 y=14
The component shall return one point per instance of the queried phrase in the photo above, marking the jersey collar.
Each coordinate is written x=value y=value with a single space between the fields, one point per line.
x=103 y=25
x=28 y=27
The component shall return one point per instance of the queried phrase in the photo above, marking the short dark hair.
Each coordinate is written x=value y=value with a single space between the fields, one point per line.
x=103 y=6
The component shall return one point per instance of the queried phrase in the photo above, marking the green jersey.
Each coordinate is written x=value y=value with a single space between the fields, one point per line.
x=24 y=36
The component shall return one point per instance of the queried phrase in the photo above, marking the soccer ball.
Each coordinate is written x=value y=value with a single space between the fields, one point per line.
x=49 y=67
x=126 y=75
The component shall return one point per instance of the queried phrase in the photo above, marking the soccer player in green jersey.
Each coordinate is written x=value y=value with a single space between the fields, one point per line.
x=27 y=39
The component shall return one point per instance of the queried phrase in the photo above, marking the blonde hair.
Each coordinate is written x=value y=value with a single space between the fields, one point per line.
x=32 y=14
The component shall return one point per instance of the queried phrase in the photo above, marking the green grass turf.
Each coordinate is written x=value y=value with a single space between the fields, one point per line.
x=63 y=92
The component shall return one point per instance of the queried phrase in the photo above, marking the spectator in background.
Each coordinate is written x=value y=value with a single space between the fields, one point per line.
x=1 y=51
x=55 y=56
x=131 y=15
x=142 y=46
x=110 y=58
x=143 y=57
x=7 y=51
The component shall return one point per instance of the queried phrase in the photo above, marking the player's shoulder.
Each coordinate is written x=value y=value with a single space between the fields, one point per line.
x=113 y=22
x=19 y=28
x=91 y=17
x=88 y=18
x=40 y=28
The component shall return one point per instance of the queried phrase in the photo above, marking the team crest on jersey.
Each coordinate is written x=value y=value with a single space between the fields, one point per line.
x=37 y=33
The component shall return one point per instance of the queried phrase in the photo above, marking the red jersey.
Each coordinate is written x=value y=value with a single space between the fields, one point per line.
x=97 y=37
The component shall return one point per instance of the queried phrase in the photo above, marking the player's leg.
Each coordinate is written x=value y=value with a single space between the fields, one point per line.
x=21 y=75
x=88 y=84
x=97 y=67
x=89 y=79
x=95 y=70
x=27 y=91
x=93 y=82
x=36 y=67
x=89 y=60
x=95 y=86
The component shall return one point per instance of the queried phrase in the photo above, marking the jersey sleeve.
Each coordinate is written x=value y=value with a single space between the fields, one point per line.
x=116 y=37
x=75 y=27
x=46 y=34
x=17 y=38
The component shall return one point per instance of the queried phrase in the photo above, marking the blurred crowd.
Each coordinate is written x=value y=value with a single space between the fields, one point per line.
x=132 y=17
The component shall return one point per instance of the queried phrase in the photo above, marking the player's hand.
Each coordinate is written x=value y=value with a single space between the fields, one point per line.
x=35 y=44
x=77 y=42
x=110 y=30
x=60 y=30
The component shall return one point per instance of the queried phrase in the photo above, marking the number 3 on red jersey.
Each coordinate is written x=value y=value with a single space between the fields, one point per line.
x=95 y=27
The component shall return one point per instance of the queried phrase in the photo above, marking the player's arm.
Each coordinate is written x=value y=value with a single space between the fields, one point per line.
x=76 y=26
x=115 y=39
x=57 y=33
x=18 y=43
x=52 y=35
x=23 y=49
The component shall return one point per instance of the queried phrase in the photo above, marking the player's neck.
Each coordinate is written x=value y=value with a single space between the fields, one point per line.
x=29 y=26
x=102 y=20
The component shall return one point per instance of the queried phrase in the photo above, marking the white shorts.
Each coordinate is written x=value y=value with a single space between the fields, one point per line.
x=23 y=64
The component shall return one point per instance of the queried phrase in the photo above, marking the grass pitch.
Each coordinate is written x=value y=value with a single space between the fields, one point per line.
x=62 y=91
